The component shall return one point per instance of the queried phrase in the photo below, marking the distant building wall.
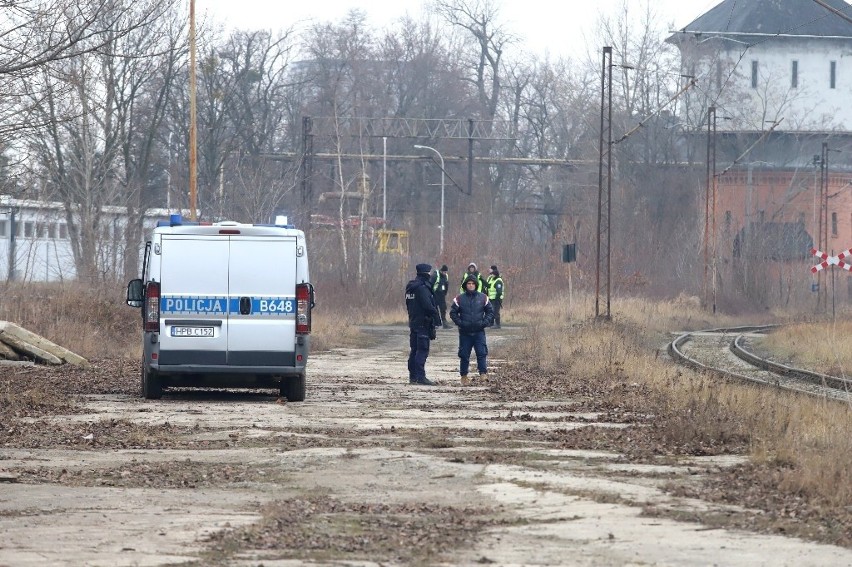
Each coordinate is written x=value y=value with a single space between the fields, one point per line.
x=43 y=249
x=783 y=196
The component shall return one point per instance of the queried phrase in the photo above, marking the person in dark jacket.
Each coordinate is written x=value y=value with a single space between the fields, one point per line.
x=472 y=312
x=422 y=317
x=440 y=287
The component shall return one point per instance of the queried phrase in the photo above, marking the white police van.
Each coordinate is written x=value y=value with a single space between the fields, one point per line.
x=224 y=305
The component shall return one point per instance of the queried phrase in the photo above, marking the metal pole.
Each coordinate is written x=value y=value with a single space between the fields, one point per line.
x=606 y=51
x=169 y=176
x=608 y=185
x=470 y=156
x=12 y=251
x=384 y=181
x=704 y=288
x=440 y=157
x=193 y=156
x=713 y=177
x=833 y=319
x=823 y=232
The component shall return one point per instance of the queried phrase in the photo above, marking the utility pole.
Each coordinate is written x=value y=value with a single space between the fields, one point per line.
x=193 y=156
x=825 y=218
x=713 y=210
x=604 y=183
x=711 y=172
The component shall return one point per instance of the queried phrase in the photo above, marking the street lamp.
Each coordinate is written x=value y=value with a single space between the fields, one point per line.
x=440 y=157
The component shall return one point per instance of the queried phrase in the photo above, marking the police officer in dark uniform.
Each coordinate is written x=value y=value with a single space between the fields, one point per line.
x=423 y=315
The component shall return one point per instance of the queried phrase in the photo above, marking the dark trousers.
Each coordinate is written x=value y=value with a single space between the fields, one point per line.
x=418 y=340
x=441 y=302
x=497 y=304
x=476 y=342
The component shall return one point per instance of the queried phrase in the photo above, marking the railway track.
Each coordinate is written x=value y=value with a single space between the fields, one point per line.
x=725 y=352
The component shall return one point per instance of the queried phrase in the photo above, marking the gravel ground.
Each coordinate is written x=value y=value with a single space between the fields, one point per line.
x=528 y=469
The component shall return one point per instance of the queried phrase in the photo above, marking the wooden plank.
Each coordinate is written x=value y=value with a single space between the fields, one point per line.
x=27 y=342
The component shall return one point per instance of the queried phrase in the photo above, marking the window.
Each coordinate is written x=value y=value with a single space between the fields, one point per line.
x=728 y=221
x=3 y=224
x=41 y=229
x=63 y=231
x=29 y=229
x=754 y=74
x=802 y=219
x=761 y=216
x=833 y=224
x=833 y=75
x=794 y=77
x=18 y=228
x=51 y=230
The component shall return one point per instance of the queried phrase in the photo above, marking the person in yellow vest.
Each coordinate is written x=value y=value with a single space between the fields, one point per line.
x=495 y=289
x=440 y=287
x=472 y=270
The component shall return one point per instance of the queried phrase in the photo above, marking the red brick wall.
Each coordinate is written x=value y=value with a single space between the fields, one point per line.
x=783 y=196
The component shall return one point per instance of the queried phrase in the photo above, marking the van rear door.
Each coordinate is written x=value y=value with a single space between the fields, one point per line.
x=194 y=299
x=262 y=296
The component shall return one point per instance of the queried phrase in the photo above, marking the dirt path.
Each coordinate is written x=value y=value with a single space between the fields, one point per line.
x=369 y=470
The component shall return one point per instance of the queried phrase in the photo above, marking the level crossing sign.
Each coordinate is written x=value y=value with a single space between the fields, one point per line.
x=832 y=260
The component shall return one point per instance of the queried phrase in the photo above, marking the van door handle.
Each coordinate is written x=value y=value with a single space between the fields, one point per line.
x=245 y=306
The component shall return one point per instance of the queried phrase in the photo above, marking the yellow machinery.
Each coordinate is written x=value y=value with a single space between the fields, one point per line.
x=392 y=241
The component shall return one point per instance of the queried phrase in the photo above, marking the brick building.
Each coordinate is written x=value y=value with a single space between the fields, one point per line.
x=772 y=97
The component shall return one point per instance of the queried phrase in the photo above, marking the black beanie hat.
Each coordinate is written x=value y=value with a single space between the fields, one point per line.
x=424 y=268
x=444 y=268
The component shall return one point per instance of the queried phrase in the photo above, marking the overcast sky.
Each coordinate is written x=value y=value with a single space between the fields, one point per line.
x=557 y=27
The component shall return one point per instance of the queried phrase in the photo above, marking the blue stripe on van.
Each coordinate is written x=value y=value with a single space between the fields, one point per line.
x=273 y=306
x=194 y=305
x=221 y=305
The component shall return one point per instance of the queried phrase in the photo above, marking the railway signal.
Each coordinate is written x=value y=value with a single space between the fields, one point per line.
x=832 y=260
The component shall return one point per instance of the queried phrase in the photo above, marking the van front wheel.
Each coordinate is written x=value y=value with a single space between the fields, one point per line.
x=293 y=388
x=152 y=387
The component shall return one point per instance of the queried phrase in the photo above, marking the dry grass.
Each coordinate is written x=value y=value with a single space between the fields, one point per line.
x=682 y=312
x=92 y=321
x=804 y=441
x=96 y=322
x=821 y=346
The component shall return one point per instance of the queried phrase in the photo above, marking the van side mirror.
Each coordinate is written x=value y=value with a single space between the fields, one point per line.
x=135 y=293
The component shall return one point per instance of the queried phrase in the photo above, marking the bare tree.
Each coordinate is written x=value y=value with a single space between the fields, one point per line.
x=488 y=39
x=35 y=33
x=96 y=136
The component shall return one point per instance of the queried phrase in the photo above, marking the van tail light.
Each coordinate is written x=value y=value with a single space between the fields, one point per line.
x=303 y=308
x=151 y=314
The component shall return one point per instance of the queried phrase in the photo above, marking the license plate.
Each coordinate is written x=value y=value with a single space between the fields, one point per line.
x=192 y=331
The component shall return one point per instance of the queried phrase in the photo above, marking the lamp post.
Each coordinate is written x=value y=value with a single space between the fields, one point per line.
x=440 y=157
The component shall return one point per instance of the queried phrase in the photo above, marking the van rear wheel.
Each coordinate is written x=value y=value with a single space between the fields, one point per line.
x=293 y=388
x=152 y=387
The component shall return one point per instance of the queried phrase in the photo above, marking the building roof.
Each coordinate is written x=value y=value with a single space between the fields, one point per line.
x=770 y=17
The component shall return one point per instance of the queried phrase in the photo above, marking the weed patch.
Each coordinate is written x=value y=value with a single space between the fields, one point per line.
x=321 y=527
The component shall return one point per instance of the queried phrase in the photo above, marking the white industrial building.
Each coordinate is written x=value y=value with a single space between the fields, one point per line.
x=40 y=249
